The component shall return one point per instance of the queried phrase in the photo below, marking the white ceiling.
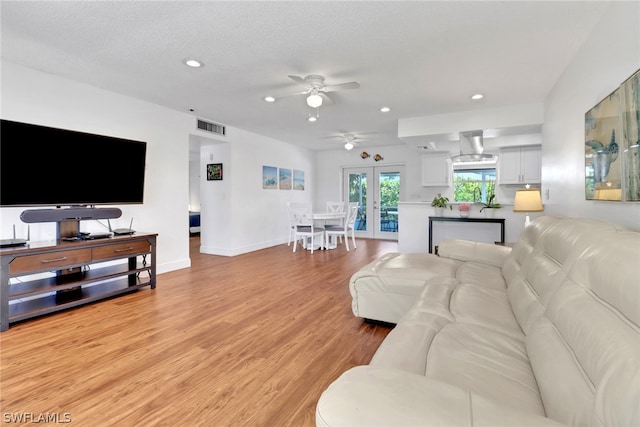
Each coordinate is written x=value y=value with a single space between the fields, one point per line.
x=417 y=57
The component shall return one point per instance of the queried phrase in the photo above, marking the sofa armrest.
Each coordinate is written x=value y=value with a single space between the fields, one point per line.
x=369 y=396
x=466 y=250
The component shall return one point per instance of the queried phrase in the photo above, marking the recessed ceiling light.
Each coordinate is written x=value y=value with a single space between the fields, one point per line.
x=477 y=96
x=385 y=109
x=269 y=99
x=194 y=63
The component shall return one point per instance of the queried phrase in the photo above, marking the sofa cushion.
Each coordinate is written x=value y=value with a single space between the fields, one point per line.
x=585 y=349
x=484 y=275
x=386 y=288
x=486 y=307
x=370 y=396
x=486 y=363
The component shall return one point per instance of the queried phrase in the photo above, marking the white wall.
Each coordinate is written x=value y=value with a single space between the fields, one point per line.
x=609 y=56
x=194 y=183
x=237 y=214
x=31 y=96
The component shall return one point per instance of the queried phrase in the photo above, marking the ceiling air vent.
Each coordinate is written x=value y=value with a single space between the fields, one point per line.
x=212 y=127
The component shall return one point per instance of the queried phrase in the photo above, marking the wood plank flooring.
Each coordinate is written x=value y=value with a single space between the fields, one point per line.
x=250 y=340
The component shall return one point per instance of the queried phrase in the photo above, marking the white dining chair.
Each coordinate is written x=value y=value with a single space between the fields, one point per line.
x=305 y=229
x=335 y=207
x=346 y=228
x=291 y=218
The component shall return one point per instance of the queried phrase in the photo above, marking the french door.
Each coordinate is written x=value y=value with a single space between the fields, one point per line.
x=377 y=190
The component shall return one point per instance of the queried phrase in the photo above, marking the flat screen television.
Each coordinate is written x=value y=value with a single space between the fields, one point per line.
x=46 y=166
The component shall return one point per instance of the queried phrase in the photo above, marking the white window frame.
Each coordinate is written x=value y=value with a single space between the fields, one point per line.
x=475 y=166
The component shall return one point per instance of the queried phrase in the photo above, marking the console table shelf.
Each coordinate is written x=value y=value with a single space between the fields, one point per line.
x=37 y=296
x=432 y=219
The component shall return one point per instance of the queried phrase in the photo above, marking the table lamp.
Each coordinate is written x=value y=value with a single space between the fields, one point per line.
x=608 y=194
x=528 y=200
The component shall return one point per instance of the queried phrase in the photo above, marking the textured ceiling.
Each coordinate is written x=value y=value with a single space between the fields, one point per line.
x=419 y=58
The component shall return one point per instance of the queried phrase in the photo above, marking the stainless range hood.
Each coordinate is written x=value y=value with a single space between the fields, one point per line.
x=472 y=148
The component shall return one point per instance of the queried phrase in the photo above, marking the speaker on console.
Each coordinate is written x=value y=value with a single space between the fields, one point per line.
x=68 y=214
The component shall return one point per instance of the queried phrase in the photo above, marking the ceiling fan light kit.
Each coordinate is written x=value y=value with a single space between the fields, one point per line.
x=313 y=117
x=314 y=100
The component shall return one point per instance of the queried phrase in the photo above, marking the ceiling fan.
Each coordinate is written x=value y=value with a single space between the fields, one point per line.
x=349 y=140
x=316 y=90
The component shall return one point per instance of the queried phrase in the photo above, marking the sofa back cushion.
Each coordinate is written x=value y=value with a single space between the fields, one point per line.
x=585 y=348
x=541 y=259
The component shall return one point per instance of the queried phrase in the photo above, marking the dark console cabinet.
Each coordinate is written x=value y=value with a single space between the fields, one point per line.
x=82 y=274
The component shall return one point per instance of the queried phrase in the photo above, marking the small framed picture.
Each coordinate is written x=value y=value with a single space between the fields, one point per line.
x=214 y=172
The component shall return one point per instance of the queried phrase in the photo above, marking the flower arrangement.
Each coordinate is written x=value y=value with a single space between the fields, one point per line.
x=464 y=209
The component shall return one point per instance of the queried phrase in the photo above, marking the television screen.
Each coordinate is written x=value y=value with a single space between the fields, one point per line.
x=45 y=166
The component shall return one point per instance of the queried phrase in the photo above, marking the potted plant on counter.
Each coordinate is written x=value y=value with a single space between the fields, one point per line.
x=490 y=207
x=440 y=203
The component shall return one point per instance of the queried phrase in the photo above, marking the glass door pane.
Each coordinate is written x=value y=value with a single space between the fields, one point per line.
x=357 y=180
x=388 y=195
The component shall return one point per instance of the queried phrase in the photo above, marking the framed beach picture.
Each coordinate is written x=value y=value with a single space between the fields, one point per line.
x=298 y=180
x=269 y=177
x=284 y=179
x=214 y=172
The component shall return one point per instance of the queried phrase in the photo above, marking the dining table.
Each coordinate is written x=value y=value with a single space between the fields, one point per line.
x=323 y=217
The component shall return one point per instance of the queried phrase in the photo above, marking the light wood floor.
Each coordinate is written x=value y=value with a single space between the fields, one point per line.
x=250 y=340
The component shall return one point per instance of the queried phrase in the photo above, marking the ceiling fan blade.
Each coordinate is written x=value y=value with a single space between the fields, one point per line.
x=341 y=86
x=298 y=79
x=288 y=95
x=326 y=99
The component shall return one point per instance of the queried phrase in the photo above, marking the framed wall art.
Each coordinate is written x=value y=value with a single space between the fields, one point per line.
x=214 y=172
x=631 y=137
x=298 y=180
x=284 y=179
x=269 y=177
x=612 y=152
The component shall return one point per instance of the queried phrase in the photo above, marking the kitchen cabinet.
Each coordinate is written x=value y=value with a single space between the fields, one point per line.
x=520 y=165
x=436 y=170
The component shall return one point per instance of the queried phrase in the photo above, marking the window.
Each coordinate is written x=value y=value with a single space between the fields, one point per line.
x=473 y=185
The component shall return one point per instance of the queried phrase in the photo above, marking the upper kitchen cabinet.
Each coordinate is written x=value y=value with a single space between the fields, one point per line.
x=520 y=165
x=436 y=170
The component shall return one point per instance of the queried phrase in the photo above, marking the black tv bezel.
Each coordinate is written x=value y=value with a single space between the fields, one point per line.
x=77 y=136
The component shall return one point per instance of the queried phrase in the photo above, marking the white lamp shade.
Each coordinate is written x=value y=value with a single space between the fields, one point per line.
x=314 y=100
x=528 y=200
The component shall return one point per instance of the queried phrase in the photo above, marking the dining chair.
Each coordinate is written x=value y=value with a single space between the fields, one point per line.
x=334 y=207
x=291 y=219
x=305 y=229
x=348 y=226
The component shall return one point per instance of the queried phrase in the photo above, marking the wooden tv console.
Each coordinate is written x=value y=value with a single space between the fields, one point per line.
x=73 y=283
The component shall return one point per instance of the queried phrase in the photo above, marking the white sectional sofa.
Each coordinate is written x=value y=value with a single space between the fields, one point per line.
x=546 y=333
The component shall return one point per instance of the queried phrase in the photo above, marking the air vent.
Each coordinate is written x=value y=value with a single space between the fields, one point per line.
x=212 y=127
